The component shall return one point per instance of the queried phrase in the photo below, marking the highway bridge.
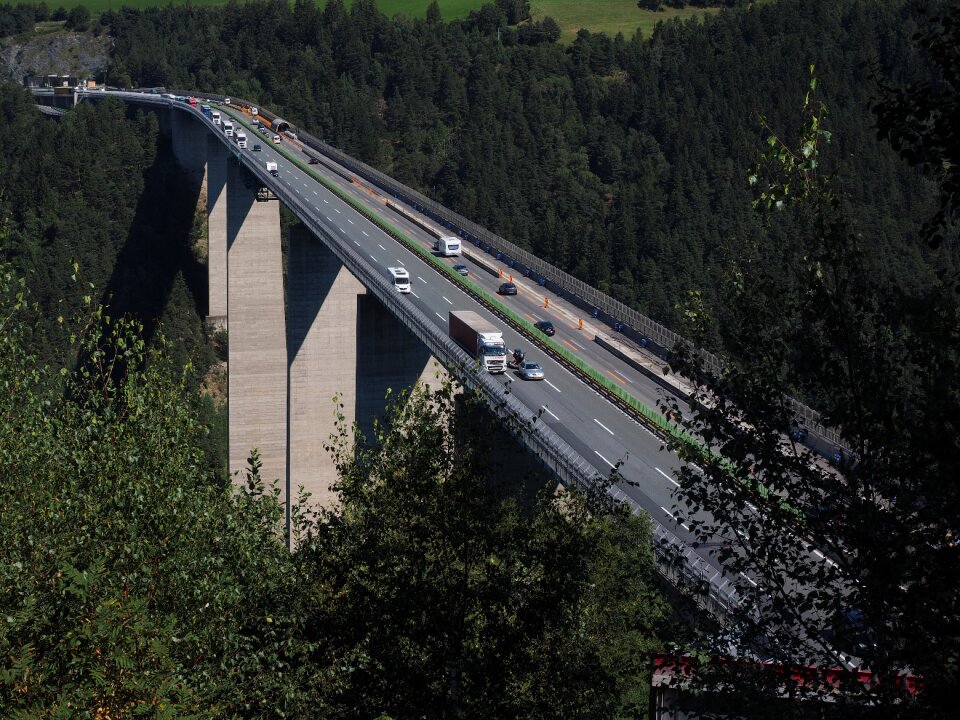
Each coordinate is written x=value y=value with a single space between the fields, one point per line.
x=340 y=327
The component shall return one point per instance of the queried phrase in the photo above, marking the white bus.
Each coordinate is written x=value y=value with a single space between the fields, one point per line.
x=447 y=246
x=228 y=128
x=401 y=279
x=241 y=139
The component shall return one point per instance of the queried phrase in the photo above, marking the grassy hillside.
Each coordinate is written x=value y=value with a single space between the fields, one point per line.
x=609 y=16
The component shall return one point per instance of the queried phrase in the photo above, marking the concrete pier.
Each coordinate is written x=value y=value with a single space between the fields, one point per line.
x=323 y=359
x=257 y=359
x=342 y=343
x=217 y=158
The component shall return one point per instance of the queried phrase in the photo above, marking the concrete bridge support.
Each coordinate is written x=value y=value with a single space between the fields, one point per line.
x=289 y=357
x=342 y=342
x=257 y=358
x=217 y=158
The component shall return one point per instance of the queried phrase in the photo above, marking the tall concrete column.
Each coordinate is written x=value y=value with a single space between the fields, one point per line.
x=342 y=342
x=217 y=158
x=257 y=356
x=323 y=359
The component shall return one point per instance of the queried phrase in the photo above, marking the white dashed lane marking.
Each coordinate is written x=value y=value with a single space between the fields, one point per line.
x=603 y=426
x=667 y=476
x=604 y=459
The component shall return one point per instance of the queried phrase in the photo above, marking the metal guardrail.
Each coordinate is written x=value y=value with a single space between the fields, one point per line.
x=679 y=564
x=623 y=319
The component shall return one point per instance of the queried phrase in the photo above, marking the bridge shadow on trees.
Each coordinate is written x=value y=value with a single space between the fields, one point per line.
x=158 y=276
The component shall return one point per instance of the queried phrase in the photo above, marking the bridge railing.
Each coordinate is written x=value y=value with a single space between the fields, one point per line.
x=677 y=562
x=626 y=320
x=633 y=324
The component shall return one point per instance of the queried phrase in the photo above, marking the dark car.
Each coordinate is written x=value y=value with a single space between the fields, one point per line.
x=507 y=288
x=313 y=161
x=546 y=327
x=460 y=270
x=256 y=148
x=851 y=633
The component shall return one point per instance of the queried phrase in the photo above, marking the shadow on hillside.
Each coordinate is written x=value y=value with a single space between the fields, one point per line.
x=158 y=248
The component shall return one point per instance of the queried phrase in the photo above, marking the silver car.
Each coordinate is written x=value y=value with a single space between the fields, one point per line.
x=529 y=370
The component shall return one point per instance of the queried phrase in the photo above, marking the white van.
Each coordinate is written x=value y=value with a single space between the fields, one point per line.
x=401 y=279
x=447 y=246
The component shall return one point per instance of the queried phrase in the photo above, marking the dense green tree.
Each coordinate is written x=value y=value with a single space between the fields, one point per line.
x=875 y=532
x=78 y=18
x=445 y=594
x=499 y=131
x=133 y=582
x=920 y=120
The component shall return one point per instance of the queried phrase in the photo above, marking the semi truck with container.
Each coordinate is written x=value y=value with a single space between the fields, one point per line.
x=241 y=139
x=480 y=338
x=215 y=116
x=228 y=128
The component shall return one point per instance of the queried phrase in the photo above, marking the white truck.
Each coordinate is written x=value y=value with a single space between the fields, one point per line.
x=479 y=338
x=215 y=117
x=401 y=279
x=228 y=128
x=447 y=246
x=241 y=139
x=272 y=168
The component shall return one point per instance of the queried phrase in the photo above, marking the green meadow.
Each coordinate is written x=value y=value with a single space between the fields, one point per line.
x=609 y=16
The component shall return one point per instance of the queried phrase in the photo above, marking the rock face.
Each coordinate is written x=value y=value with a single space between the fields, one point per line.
x=80 y=54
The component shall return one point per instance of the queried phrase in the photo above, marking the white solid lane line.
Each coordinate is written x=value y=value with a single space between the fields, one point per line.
x=547 y=410
x=603 y=426
x=604 y=459
x=669 y=514
x=749 y=580
x=667 y=476
x=554 y=387
x=449 y=302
